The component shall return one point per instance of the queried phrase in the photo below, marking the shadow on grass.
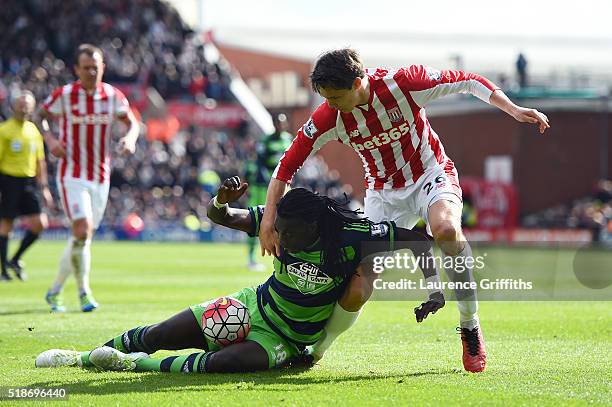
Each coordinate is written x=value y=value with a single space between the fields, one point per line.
x=25 y=312
x=39 y=311
x=273 y=381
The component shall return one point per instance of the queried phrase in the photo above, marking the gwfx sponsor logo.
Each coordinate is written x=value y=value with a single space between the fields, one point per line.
x=306 y=276
x=92 y=119
x=383 y=138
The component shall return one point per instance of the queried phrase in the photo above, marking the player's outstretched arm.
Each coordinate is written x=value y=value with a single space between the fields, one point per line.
x=426 y=84
x=521 y=114
x=220 y=212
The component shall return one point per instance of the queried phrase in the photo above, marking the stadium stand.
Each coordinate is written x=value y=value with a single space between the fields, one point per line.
x=145 y=42
x=592 y=212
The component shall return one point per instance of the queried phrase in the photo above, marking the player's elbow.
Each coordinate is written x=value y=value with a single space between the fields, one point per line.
x=281 y=178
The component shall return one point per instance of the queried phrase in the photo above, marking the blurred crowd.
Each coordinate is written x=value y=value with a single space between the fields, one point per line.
x=165 y=182
x=593 y=212
x=143 y=41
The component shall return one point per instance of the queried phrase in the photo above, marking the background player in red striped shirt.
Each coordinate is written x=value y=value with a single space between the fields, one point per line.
x=381 y=115
x=85 y=110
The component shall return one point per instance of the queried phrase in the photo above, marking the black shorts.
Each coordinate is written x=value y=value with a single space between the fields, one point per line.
x=18 y=196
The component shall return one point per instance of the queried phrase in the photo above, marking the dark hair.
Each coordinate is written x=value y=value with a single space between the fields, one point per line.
x=336 y=69
x=331 y=217
x=87 y=49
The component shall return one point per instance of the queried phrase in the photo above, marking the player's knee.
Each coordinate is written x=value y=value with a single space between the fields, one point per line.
x=156 y=336
x=38 y=224
x=6 y=225
x=225 y=362
x=80 y=235
x=445 y=231
x=356 y=294
x=81 y=229
x=36 y=228
x=448 y=236
x=242 y=357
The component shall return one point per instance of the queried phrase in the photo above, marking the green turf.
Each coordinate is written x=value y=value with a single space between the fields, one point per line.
x=540 y=353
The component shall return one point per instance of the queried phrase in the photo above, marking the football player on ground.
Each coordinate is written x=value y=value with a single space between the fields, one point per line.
x=289 y=312
x=380 y=113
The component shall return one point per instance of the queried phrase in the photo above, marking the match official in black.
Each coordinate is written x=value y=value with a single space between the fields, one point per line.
x=22 y=162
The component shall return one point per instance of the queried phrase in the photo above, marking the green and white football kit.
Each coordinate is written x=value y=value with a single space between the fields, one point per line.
x=289 y=311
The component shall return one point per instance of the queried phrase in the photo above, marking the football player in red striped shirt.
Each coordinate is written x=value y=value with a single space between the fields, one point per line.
x=85 y=109
x=381 y=114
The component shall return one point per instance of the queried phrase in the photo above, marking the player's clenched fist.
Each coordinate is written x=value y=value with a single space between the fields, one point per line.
x=231 y=190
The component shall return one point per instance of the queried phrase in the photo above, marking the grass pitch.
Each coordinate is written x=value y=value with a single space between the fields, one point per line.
x=540 y=353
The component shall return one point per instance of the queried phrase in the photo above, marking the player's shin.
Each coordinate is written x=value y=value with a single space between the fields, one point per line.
x=251 y=242
x=26 y=242
x=193 y=363
x=132 y=341
x=467 y=301
x=65 y=268
x=3 y=251
x=81 y=261
x=431 y=275
x=339 y=321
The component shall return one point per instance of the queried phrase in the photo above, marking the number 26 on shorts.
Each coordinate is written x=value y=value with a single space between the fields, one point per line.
x=429 y=186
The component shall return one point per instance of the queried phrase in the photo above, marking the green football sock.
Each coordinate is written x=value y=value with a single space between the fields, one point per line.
x=251 y=241
x=85 y=359
x=194 y=363
x=131 y=341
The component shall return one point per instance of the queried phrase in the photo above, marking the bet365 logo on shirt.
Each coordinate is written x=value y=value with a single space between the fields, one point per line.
x=383 y=138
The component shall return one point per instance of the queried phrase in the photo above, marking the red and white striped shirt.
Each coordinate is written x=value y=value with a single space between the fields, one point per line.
x=85 y=121
x=391 y=132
